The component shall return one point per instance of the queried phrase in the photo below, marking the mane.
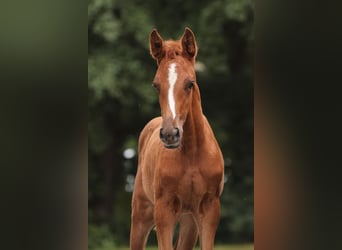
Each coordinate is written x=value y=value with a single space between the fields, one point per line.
x=172 y=49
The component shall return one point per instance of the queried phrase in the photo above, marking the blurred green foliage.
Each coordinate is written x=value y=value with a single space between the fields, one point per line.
x=121 y=101
x=100 y=238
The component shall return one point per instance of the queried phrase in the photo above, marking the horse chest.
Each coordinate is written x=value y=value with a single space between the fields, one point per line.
x=188 y=184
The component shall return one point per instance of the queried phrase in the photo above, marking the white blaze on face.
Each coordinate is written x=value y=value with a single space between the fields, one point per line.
x=172 y=80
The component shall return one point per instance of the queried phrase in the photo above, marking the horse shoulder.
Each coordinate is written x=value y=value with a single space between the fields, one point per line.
x=212 y=146
x=212 y=160
x=145 y=161
x=146 y=138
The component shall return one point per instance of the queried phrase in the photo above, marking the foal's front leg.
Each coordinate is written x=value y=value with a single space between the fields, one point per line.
x=208 y=220
x=165 y=218
x=142 y=222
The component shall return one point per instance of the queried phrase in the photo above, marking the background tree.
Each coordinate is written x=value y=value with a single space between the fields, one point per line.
x=121 y=101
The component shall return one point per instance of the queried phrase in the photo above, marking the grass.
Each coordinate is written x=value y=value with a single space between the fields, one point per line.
x=217 y=247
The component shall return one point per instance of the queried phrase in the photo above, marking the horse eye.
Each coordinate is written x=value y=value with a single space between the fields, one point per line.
x=190 y=85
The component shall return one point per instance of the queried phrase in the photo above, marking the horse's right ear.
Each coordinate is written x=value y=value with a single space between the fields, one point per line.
x=189 y=44
x=156 y=45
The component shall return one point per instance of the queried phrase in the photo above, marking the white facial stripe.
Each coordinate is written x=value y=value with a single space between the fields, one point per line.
x=172 y=80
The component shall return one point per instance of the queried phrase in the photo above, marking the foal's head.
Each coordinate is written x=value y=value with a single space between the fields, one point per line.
x=174 y=81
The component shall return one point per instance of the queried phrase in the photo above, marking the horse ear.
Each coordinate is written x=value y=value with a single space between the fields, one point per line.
x=189 y=44
x=156 y=45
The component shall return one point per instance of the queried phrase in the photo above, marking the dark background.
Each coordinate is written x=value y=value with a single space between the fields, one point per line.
x=296 y=76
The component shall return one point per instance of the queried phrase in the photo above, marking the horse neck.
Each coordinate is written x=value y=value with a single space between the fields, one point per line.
x=194 y=133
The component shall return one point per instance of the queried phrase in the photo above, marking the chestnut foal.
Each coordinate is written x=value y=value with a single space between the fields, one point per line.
x=180 y=169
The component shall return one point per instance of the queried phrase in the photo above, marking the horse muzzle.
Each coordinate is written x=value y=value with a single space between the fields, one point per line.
x=170 y=137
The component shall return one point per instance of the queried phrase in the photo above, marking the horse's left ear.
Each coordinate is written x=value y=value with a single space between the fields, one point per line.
x=189 y=44
x=156 y=45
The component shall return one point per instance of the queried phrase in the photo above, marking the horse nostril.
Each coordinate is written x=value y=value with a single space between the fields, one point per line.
x=177 y=132
x=161 y=133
